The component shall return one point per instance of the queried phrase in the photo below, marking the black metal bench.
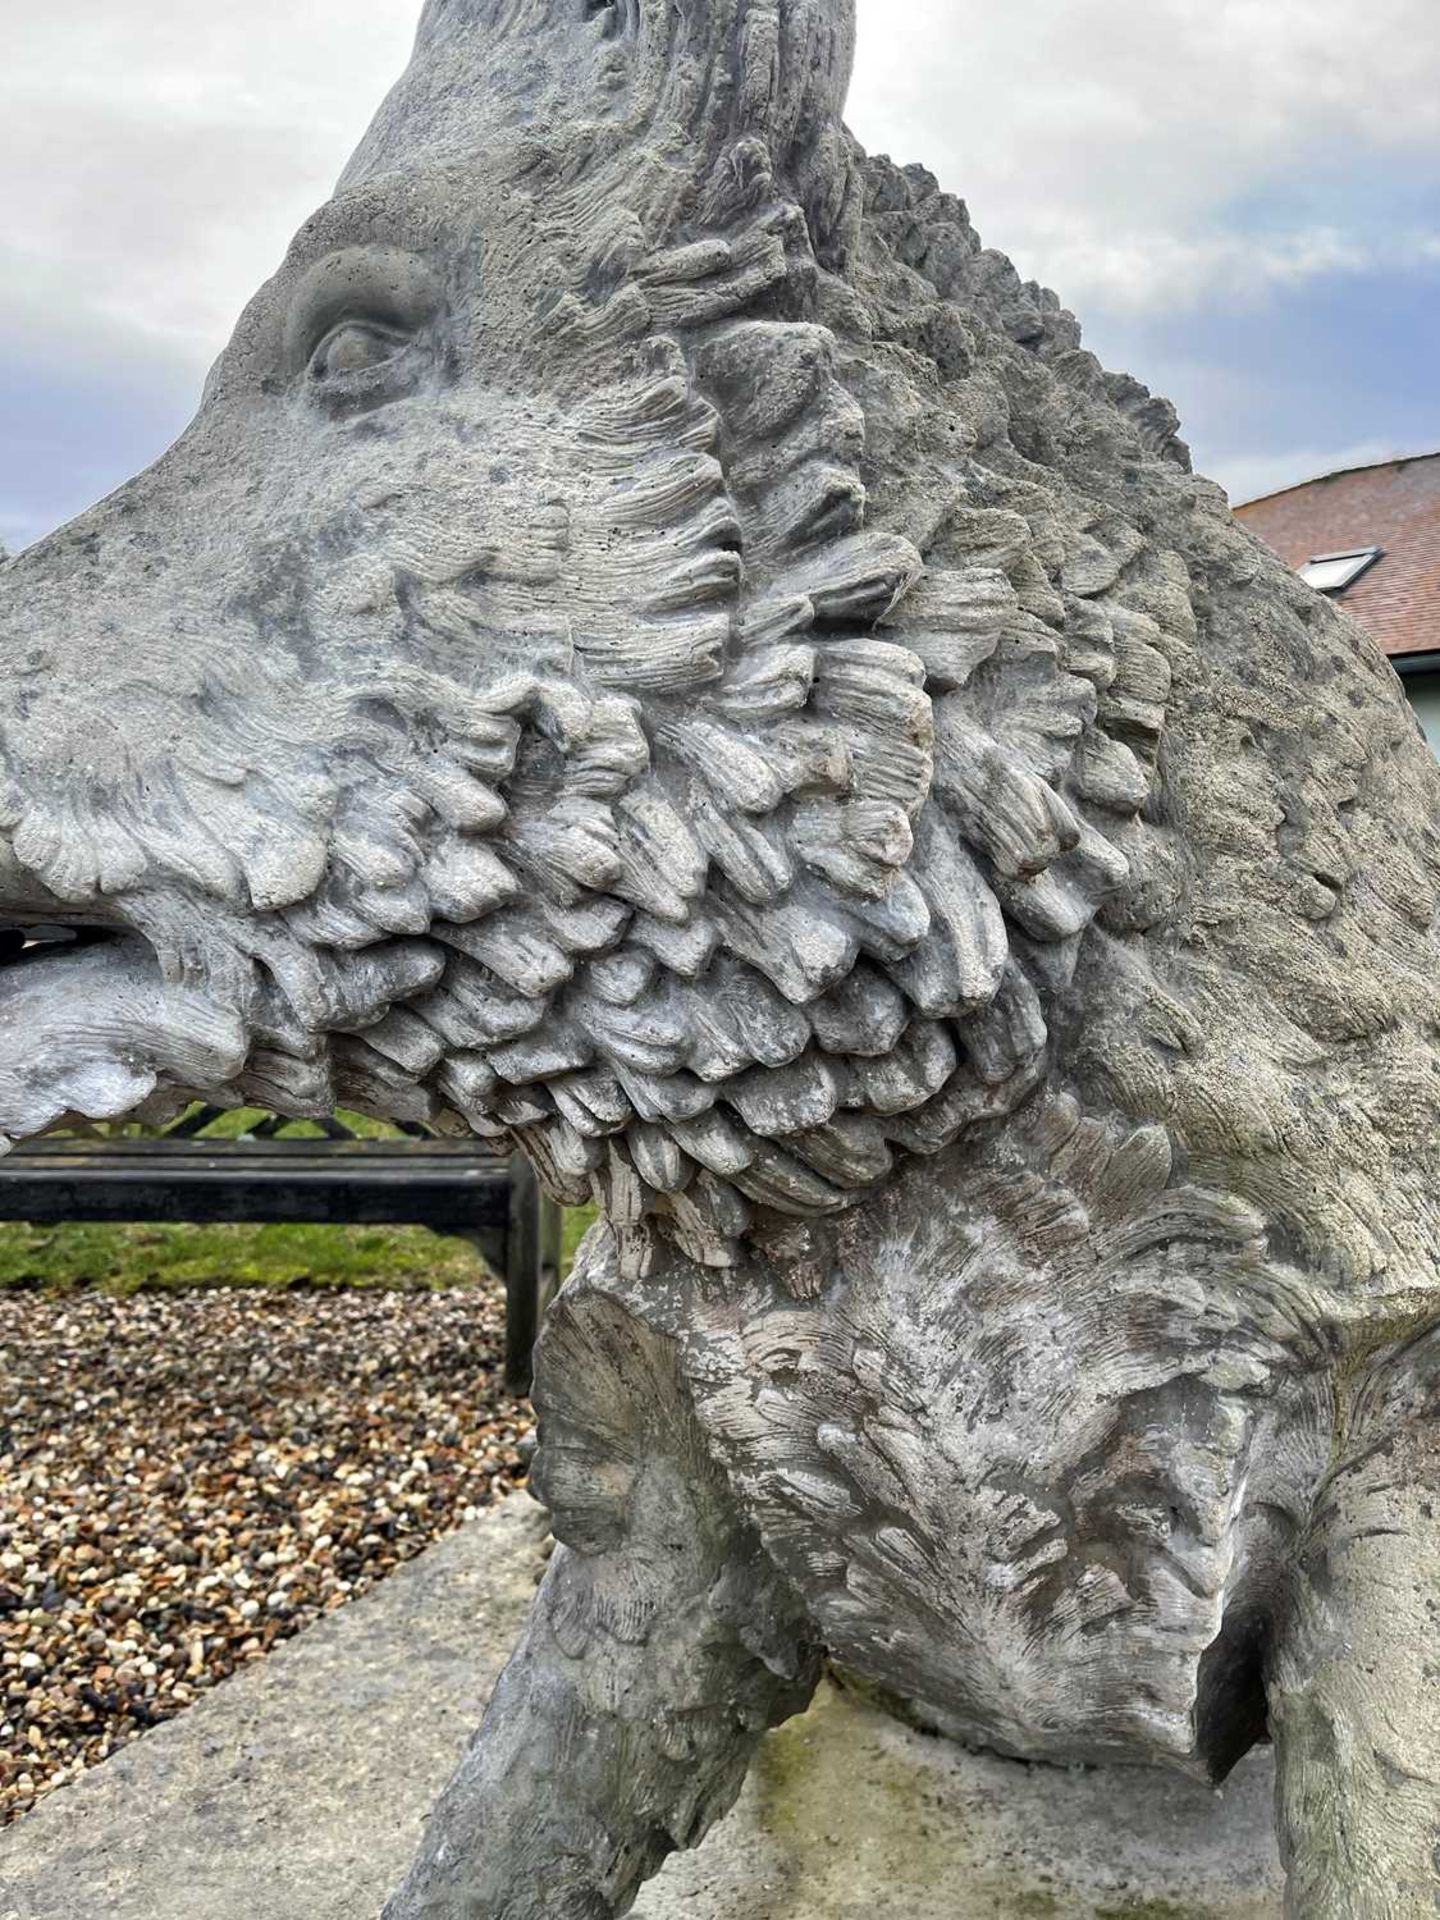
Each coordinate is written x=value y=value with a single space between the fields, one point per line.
x=272 y=1176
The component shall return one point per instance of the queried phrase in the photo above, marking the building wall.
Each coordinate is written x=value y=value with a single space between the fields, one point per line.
x=1394 y=506
x=1423 y=690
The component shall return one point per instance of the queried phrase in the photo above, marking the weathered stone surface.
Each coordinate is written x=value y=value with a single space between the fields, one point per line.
x=651 y=601
x=297 y=1791
x=847 y=1815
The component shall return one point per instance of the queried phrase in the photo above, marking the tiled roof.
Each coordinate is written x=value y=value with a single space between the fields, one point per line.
x=1395 y=506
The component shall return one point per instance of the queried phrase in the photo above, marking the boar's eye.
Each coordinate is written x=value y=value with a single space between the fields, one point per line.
x=355 y=346
x=363 y=326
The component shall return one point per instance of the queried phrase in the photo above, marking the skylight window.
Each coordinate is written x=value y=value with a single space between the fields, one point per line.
x=1333 y=572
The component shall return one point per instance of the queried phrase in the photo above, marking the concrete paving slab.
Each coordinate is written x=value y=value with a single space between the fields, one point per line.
x=297 y=1792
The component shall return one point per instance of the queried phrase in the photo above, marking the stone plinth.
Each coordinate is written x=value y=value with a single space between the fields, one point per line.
x=297 y=1792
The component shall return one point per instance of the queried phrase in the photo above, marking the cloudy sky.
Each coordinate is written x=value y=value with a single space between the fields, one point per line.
x=1241 y=198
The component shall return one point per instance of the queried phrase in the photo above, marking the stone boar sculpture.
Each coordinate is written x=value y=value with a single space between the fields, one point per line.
x=659 y=648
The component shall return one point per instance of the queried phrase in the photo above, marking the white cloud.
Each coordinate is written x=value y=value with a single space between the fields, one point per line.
x=1138 y=155
x=1117 y=149
x=1166 y=273
x=16 y=531
x=1251 y=476
x=156 y=155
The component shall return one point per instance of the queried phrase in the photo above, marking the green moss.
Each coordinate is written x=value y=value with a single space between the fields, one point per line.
x=823 y=1793
x=1369 y=1343
x=1148 y=1910
x=850 y=1805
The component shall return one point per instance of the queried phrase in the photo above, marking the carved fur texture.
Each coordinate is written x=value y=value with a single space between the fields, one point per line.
x=660 y=648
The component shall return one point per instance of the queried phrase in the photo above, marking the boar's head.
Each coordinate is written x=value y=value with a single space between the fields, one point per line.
x=652 y=648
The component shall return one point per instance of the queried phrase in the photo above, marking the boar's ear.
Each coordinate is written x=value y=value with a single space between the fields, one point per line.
x=673 y=85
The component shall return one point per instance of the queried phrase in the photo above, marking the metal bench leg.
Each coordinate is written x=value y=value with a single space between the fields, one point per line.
x=532 y=1270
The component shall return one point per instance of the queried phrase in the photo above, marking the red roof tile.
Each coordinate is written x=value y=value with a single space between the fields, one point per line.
x=1395 y=506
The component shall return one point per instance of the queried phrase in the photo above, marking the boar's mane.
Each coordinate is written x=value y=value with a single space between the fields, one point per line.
x=734 y=818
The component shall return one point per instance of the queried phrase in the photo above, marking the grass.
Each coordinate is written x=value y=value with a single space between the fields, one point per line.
x=132 y=1259
x=578 y=1222
x=239 y=1121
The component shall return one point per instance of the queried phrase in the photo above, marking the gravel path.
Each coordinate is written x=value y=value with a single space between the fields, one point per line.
x=187 y=1478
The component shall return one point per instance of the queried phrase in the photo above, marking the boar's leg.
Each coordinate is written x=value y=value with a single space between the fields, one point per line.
x=661 y=1645
x=1355 y=1682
